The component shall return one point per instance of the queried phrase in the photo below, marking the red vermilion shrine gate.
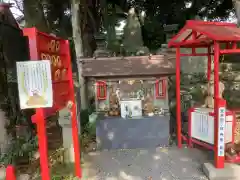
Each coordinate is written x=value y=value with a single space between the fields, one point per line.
x=218 y=38
x=45 y=47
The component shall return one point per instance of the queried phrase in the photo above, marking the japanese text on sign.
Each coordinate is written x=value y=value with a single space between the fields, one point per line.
x=52 y=53
x=203 y=125
x=34 y=84
x=221 y=130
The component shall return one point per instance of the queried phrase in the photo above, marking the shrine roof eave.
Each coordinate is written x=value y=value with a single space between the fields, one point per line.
x=191 y=45
x=199 y=33
x=156 y=65
x=129 y=75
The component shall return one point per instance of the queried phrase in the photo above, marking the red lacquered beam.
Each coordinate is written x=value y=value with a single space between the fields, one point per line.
x=229 y=51
x=197 y=54
x=207 y=146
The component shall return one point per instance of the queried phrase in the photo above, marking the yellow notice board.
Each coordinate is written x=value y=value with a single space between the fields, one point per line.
x=35 y=84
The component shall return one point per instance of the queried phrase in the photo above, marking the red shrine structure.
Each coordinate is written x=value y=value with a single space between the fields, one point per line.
x=218 y=38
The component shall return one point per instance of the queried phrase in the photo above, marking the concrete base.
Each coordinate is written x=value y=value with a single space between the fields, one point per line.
x=230 y=172
x=145 y=132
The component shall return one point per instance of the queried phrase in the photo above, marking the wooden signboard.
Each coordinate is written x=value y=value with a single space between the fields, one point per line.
x=46 y=47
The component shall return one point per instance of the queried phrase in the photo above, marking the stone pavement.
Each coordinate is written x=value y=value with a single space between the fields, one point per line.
x=151 y=164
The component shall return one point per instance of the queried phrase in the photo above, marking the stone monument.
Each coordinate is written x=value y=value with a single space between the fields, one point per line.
x=132 y=38
x=170 y=31
x=65 y=122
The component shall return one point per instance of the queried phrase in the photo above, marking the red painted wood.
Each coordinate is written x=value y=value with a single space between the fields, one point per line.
x=213 y=31
x=159 y=95
x=45 y=47
x=209 y=64
x=218 y=160
x=10 y=173
x=75 y=134
x=178 y=99
x=101 y=85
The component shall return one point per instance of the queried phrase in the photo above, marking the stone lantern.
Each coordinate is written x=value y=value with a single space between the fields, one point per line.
x=170 y=31
x=101 y=50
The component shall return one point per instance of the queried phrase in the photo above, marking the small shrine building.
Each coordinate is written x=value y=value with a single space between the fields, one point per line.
x=130 y=93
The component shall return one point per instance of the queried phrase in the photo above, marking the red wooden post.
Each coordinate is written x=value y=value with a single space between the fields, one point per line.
x=219 y=145
x=209 y=64
x=218 y=105
x=178 y=98
x=10 y=173
x=75 y=135
x=57 y=50
x=42 y=143
x=194 y=37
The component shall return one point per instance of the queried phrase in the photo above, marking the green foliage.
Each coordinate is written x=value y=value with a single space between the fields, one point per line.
x=90 y=130
x=84 y=117
x=157 y=14
x=70 y=177
x=20 y=147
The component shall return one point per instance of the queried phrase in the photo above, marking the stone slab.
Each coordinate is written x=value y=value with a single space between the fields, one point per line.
x=230 y=172
x=146 y=132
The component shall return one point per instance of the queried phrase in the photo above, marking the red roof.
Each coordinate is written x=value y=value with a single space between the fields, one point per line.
x=200 y=33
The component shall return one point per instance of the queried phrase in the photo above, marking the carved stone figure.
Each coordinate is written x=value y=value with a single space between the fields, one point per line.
x=209 y=101
x=132 y=41
x=148 y=106
x=114 y=104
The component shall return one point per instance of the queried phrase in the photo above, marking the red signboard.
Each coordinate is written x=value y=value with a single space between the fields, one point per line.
x=46 y=47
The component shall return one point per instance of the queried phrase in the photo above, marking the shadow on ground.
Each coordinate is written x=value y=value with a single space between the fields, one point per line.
x=138 y=164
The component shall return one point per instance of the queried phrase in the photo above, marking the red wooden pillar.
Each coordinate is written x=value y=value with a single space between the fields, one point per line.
x=209 y=64
x=219 y=104
x=10 y=173
x=42 y=142
x=75 y=134
x=178 y=98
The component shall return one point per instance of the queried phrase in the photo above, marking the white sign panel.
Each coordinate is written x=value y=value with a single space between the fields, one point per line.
x=35 y=84
x=202 y=127
x=221 y=130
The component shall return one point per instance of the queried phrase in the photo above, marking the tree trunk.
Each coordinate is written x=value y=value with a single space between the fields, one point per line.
x=236 y=5
x=77 y=38
x=34 y=15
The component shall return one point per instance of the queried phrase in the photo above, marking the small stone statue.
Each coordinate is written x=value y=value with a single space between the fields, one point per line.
x=148 y=106
x=114 y=104
x=209 y=101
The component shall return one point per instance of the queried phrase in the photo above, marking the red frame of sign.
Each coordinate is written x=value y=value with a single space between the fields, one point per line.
x=103 y=85
x=46 y=47
x=157 y=94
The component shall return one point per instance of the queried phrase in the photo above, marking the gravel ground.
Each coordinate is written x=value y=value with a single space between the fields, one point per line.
x=151 y=164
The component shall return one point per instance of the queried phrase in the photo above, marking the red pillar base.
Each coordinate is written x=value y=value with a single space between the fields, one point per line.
x=10 y=173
